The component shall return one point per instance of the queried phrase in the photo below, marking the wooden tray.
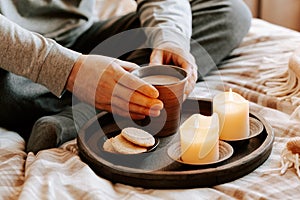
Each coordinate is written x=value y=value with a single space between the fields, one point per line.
x=155 y=169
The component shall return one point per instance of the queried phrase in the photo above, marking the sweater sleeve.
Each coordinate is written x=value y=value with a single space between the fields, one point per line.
x=170 y=21
x=35 y=57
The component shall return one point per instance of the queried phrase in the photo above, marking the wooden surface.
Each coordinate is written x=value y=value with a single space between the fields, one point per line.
x=284 y=13
x=156 y=169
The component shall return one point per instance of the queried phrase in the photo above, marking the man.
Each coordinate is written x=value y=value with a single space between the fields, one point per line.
x=174 y=30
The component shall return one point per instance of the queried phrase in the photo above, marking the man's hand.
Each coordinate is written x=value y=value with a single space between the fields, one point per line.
x=170 y=53
x=107 y=83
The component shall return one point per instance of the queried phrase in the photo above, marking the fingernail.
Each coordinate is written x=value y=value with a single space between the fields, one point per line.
x=157 y=106
x=154 y=113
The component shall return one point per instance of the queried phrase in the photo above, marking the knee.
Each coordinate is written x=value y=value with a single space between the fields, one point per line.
x=219 y=26
x=237 y=21
x=231 y=19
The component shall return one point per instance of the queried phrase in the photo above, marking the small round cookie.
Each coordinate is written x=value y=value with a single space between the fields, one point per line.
x=138 y=136
x=107 y=146
x=121 y=145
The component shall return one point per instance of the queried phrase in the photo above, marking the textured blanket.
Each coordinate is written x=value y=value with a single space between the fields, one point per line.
x=251 y=70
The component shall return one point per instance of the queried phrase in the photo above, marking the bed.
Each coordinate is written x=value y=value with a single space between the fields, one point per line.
x=257 y=69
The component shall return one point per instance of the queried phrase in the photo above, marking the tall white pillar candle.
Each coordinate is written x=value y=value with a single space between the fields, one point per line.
x=233 y=112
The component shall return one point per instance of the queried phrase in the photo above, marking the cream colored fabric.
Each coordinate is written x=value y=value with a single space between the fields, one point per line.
x=285 y=84
x=104 y=9
x=60 y=174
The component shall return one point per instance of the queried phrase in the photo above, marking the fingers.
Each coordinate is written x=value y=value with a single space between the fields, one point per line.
x=123 y=93
x=128 y=66
x=133 y=96
x=171 y=54
x=192 y=76
x=124 y=108
x=134 y=83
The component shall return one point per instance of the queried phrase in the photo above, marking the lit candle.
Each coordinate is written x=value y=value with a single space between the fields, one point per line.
x=199 y=139
x=233 y=112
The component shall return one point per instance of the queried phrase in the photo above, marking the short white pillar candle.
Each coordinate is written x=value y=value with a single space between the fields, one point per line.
x=199 y=139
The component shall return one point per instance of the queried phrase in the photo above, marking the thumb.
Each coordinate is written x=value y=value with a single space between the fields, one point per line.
x=156 y=57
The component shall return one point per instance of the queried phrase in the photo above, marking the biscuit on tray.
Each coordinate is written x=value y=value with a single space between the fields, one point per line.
x=107 y=146
x=122 y=145
x=130 y=141
x=138 y=136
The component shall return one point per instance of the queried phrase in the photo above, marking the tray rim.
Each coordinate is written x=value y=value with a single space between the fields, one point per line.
x=265 y=148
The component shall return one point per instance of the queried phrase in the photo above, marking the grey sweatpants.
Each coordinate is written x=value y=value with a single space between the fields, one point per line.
x=218 y=27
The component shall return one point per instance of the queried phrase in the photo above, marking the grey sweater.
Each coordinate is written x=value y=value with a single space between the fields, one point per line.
x=33 y=55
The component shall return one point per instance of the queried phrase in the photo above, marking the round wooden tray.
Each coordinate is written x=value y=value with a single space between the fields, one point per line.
x=156 y=169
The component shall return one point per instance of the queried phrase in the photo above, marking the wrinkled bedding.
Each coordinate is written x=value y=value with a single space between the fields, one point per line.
x=59 y=173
